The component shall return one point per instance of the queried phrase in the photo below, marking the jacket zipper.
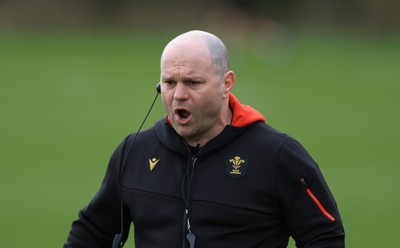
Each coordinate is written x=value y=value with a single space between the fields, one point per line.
x=188 y=179
x=316 y=201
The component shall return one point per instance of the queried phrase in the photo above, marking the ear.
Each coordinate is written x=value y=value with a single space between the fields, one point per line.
x=229 y=81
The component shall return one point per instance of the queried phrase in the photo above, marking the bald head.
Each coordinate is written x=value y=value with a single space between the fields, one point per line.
x=215 y=48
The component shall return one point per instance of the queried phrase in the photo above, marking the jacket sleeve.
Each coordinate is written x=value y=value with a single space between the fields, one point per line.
x=100 y=220
x=309 y=209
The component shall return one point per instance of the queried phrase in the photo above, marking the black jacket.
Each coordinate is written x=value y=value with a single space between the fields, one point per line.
x=251 y=186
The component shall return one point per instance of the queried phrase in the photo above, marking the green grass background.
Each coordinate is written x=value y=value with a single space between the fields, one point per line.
x=68 y=98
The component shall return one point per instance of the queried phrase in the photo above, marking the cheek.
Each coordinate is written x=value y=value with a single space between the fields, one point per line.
x=211 y=102
x=165 y=102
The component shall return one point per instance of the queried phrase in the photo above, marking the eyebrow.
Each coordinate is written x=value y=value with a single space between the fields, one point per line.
x=184 y=79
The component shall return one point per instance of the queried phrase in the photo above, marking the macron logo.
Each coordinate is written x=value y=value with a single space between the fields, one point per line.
x=153 y=162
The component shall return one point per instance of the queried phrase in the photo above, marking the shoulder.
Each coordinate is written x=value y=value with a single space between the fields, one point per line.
x=262 y=133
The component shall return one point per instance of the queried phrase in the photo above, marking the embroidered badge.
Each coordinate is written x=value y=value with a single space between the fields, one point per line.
x=236 y=166
x=153 y=162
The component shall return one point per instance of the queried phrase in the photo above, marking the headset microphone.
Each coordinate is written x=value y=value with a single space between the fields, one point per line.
x=117 y=242
x=158 y=88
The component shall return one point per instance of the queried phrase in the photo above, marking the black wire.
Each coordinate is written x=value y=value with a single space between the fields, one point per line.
x=123 y=167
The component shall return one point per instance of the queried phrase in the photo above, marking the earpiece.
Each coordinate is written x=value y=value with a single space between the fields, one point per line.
x=158 y=88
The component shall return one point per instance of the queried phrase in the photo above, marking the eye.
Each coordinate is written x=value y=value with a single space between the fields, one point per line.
x=193 y=83
x=169 y=82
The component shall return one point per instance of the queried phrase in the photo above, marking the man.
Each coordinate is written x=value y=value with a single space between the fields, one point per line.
x=212 y=173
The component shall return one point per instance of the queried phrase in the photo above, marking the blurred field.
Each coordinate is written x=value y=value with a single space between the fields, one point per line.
x=68 y=98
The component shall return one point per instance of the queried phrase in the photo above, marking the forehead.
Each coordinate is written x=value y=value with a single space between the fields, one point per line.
x=188 y=55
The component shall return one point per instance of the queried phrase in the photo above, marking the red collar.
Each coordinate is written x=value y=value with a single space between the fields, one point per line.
x=243 y=115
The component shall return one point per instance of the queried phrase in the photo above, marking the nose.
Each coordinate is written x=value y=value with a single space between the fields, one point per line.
x=181 y=91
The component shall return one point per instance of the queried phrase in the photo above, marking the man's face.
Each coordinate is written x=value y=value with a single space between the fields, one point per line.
x=191 y=92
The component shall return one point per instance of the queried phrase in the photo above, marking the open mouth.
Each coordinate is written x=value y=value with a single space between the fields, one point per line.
x=182 y=114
